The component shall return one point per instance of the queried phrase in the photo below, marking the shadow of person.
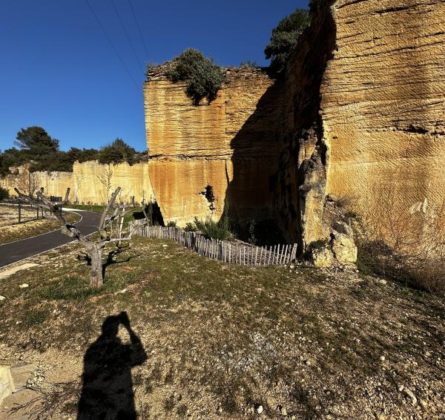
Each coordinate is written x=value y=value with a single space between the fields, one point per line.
x=107 y=386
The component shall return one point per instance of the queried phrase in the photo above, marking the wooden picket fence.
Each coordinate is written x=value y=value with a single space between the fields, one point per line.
x=225 y=251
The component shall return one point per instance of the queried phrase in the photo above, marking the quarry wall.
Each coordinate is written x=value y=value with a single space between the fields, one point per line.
x=366 y=123
x=357 y=120
x=383 y=109
x=218 y=145
x=89 y=183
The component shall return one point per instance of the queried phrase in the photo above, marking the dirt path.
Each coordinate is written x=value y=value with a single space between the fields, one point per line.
x=16 y=251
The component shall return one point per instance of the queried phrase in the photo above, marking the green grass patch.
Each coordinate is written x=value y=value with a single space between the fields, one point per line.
x=68 y=288
x=34 y=317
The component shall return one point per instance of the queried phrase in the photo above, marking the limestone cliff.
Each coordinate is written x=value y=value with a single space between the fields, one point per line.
x=192 y=147
x=365 y=96
x=90 y=182
x=93 y=182
x=357 y=120
x=383 y=107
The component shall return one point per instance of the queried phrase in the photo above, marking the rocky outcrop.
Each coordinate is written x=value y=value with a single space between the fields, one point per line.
x=194 y=147
x=93 y=182
x=383 y=109
x=366 y=100
x=357 y=123
x=89 y=183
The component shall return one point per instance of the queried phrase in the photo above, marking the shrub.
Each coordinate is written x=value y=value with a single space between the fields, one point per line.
x=248 y=64
x=171 y=223
x=406 y=246
x=203 y=77
x=190 y=227
x=258 y=232
x=429 y=276
x=214 y=230
x=419 y=271
x=153 y=213
x=314 y=5
x=284 y=40
x=117 y=152
x=251 y=228
x=4 y=194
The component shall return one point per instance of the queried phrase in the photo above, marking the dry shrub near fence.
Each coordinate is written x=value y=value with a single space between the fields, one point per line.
x=225 y=251
x=405 y=243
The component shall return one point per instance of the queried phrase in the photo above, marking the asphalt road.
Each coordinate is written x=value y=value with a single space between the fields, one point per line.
x=19 y=250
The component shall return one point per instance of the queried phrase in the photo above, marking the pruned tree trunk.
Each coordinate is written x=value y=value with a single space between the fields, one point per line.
x=97 y=271
x=111 y=222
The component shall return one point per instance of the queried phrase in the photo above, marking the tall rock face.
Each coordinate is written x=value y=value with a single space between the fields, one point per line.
x=300 y=181
x=219 y=146
x=357 y=124
x=89 y=183
x=383 y=108
x=94 y=182
x=365 y=107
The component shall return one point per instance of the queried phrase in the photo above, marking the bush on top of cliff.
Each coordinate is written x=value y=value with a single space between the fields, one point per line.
x=118 y=152
x=284 y=40
x=204 y=78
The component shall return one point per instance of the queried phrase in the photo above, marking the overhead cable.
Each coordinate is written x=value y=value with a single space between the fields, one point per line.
x=139 y=28
x=124 y=65
x=124 y=29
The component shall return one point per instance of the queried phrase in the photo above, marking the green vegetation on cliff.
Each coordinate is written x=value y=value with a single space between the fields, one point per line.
x=118 y=152
x=284 y=40
x=204 y=78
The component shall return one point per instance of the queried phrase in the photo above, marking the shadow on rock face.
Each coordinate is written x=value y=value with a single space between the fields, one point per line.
x=107 y=386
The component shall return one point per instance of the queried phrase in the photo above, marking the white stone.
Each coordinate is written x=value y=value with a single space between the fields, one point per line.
x=411 y=395
x=24 y=286
x=6 y=382
x=322 y=257
x=344 y=248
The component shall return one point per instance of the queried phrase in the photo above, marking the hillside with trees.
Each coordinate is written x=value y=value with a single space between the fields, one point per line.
x=36 y=147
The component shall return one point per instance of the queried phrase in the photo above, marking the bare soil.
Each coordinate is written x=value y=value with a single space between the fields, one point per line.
x=224 y=341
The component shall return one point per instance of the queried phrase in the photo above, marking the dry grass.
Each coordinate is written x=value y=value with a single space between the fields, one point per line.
x=11 y=230
x=402 y=240
x=222 y=340
x=9 y=215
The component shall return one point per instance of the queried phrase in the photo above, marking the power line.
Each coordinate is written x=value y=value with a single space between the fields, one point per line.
x=124 y=29
x=139 y=28
x=112 y=45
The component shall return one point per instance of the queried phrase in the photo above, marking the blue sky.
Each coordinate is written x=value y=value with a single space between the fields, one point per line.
x=60 y=71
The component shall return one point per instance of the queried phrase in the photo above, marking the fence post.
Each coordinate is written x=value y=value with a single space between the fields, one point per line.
x=283 y=253
x=287 y=253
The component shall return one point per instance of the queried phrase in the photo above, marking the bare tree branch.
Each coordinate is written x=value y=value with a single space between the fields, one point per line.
x=111 y=221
